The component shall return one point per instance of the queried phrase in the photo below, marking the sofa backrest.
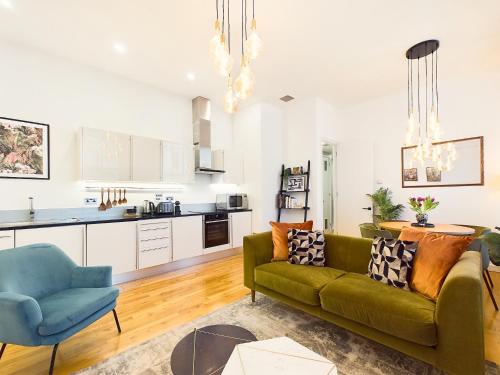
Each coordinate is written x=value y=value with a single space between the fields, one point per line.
x=346 y=253
x=35 y=270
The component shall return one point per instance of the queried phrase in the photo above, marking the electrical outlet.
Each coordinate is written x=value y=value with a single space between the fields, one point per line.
x=158 y=197
x=90 y=201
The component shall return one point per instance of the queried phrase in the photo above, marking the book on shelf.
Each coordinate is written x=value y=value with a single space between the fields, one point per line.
x=287 y=201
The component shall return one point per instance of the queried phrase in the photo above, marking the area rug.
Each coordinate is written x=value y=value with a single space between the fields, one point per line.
x=266 y=318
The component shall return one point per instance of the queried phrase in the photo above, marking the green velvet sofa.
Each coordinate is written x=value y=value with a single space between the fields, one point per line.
x=447 y=334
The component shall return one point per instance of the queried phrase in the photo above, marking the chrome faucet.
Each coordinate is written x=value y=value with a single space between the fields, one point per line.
x=32 y=210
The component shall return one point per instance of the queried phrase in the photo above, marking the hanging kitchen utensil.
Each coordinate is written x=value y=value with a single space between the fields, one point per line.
x=124 y=199
x=108 y=202
x=114 y=197
x=120 y=201
x=102 y=206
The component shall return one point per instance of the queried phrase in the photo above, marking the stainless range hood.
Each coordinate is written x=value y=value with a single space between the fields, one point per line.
x=202 y=137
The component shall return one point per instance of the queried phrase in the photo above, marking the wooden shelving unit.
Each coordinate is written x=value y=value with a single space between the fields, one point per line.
x=283 y=192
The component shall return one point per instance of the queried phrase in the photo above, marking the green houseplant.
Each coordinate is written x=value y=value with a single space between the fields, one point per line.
x=385 y=209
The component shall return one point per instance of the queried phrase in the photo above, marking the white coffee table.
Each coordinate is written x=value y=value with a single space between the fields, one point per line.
x=277 y=356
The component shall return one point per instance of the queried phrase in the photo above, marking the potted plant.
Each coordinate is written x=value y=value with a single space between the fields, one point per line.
x=421 y=206
x=384 y=209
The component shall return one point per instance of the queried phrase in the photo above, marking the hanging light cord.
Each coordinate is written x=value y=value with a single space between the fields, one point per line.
x=242 y=31
x=437 y=92
x=217 y=9
x=246 y=35
x=426 y=80
x=432 y=81
x=411 y=84
x=253 y=9
x=408 y=84
x=418 y=93
x=223 y=16
x=228 y=29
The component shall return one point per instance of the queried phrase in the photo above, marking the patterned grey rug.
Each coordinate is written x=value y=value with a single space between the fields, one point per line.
x=352 y=354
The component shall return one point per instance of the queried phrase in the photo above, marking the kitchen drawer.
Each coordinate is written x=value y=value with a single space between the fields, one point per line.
x=154 y=243
x=154 y=256
x=152 y=230
x=6 y=239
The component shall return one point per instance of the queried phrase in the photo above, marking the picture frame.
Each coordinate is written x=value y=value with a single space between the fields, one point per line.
x=24 y=149
x=433 y=174
x=467 y=170
x=410 y=174
x=296 y=183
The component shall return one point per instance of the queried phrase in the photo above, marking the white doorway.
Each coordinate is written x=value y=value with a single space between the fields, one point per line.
x=329 y=183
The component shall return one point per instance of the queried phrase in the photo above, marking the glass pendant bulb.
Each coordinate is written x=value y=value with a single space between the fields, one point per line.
x=253 y=45
x=223 y=62
x=230 y=99
x=243 y=85
x=216 y=42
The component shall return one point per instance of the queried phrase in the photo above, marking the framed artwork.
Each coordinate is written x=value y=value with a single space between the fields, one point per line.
x=24 y=149
x=433 y=174
x=296 y=183
x=467 y=168
x=410 y=174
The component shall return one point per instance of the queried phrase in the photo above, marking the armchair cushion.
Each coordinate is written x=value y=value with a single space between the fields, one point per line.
x=67 y=308
x=91 y=277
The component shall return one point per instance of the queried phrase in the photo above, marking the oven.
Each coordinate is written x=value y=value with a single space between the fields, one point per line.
x=215 y=230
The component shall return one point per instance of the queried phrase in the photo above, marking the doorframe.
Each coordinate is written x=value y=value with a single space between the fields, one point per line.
x=334 y=144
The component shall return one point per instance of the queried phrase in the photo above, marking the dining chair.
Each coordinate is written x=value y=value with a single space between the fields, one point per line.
x=370 y=230
x=479 y=244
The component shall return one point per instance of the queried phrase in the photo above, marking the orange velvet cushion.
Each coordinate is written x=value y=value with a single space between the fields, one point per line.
x=437 y=253
x=280 y=237
x=411 y=234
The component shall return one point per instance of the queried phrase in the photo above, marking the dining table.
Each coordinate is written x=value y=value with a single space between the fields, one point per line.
x=453 y=229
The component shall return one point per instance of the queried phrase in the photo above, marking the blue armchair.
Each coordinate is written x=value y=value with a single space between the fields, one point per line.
x=46 y=298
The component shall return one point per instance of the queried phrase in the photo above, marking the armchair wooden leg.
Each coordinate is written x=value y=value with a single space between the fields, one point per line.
x=253 y=295
x=489 y=278
x=2 y=350
x=490 y=292
x=53 y=359
x=117 y=321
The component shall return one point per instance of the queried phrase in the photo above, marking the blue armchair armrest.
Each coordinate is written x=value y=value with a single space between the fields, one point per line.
x=91 y=277
x=20 y=317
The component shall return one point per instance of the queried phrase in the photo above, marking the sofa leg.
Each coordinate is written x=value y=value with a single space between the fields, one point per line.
x=117 y=321
x=489 y=278
x=2 y=350
x=490 y=292
x=53 y=359
x=253 y=295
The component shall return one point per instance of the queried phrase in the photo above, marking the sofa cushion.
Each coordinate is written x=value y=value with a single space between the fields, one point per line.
x=299 y=282
x=398 y=312
x=306 y=247
x=64 y=309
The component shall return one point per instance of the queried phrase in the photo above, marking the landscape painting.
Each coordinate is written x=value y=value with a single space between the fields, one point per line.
x=24 y=149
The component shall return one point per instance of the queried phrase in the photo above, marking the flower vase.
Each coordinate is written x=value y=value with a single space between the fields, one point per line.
x=422 y=219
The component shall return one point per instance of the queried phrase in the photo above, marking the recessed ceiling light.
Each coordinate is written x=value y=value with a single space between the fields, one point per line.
x=190 y=76
x=120 y=48
x=287 y=98
x=7 y=4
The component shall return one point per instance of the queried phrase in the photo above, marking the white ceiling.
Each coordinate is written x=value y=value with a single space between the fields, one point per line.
x=345 y=51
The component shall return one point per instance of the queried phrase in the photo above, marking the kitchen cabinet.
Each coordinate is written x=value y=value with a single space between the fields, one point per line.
x=154 y=242
x=70 y=239
x=178 y=163
x=105 y=155
x=241 y=226
x=232 y=163
x=187 y=237
x=113 y=244
x=146 y=159
x=6 y=239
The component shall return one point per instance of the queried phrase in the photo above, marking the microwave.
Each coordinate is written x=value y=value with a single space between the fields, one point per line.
x=231 y=201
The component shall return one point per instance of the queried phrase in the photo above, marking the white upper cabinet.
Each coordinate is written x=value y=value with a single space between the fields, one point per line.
x=70 y=239
x=105 y=155
x=232 y=163
x=178 y=163
x=146 y=159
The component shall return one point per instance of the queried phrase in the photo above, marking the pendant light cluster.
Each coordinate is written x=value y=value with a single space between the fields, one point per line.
x=424 y=128
x=220 y=52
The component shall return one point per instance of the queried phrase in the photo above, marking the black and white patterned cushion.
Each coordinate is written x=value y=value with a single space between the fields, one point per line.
x=306 y=247
x=392 y=261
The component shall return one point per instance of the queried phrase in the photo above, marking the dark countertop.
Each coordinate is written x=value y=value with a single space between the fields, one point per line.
x=98 y=220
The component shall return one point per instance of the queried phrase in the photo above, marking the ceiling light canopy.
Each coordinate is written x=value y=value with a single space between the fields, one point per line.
x=120 y=48
x=190 y=76
x=220 y=53
x=424 y=128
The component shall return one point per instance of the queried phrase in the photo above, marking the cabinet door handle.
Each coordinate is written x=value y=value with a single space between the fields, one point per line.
x=6 y=236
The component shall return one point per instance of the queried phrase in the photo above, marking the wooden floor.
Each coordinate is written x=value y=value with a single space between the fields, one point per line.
x=152 y=306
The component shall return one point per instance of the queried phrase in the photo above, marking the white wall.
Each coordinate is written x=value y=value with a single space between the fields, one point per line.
x=468 y=107
x=42 y=88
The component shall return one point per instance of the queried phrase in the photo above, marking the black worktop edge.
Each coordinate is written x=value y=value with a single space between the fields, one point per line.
x=104 y=221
